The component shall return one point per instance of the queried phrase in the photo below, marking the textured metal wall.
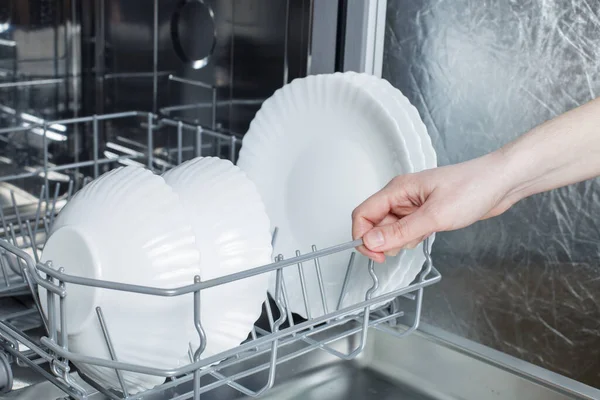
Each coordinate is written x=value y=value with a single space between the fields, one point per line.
x=481 y=73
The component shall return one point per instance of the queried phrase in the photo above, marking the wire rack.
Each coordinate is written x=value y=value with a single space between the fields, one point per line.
x=24 y=231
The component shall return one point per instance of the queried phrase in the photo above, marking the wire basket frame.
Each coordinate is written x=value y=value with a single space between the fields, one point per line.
x=266 y=348
x=313 y=333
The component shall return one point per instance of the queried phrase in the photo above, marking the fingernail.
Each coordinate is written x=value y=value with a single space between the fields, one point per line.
x=374 y=239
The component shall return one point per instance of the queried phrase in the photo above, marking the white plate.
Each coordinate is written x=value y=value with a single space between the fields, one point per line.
x=392 y=272
x=233 y=234
x=430 y=158
x=409 y=120
x=126 y=226
x=317 y=148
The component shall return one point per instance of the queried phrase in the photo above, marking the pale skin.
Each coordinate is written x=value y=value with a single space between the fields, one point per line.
x=560 y=152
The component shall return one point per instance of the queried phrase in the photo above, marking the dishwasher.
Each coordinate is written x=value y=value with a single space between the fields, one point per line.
x=88 y=86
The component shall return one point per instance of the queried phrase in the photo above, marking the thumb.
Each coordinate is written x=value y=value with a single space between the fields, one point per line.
x=399 y=233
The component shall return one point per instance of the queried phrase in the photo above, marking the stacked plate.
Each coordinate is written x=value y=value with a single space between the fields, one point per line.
x=315 y=150
x=204 y=218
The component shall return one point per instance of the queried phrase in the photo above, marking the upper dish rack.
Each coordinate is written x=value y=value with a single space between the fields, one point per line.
x=283 y=339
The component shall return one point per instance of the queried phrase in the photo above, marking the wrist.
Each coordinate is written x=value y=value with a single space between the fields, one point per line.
x=527 y=161
x=503 y=171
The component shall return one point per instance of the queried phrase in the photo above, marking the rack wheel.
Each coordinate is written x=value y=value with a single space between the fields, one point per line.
x=6 y=374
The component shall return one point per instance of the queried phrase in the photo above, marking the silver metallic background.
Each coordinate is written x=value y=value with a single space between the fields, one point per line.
x=481 y=73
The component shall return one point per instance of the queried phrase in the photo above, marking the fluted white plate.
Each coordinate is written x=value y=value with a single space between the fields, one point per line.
x=126 y=226
x=392 y=271
x=430 y=162
x=399 y=271
x=316 y=149
x=233 y=234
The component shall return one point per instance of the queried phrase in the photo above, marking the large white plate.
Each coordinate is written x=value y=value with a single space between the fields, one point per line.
x=391 y=274
x=233 y=234
x=126 y=226
x=430 y=158
x=402 y=270
x=317 y=148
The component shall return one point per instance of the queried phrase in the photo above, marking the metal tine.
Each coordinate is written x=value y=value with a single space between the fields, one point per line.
x=46 y=226
x=270 y=315
x=198 y=141
x=320 y=281
x=45 y=145
x=39 y=208
x=428 y=261
x=3 y=219
x=149 y=133
x=190 y=352
x=51 y=308
x=198 y=322
x=268 y=304
x=111 y=349
x=3 y=262
x=365 y=322
x=375 y=279
x=34 y=293
x=232 y=148
x=303 y=286
x=95 y=140
x=86 y=180
x=76 y=387
x=201 y=336
x=18 y=214
x=274 y=347
x=70 y=189
x=346 y=280
x=54 y=199
x=179 y=142
x=274 y=237
x=278 y=323
x=6 y=236
x=419 y=296
x=63 y=314
x=13 y=235
x=286 y=300
x=34 y=247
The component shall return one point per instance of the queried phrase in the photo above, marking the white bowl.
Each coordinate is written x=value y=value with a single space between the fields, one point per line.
x=126 y=226
x=233 y=234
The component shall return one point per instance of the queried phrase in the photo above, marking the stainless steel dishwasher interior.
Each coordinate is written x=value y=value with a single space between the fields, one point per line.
x=65 y=59
x=418 y=367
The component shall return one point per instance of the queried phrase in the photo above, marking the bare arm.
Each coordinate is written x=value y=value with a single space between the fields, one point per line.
x=559 y=152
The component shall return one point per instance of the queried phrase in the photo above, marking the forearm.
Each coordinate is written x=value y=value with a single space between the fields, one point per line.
x=560 y=152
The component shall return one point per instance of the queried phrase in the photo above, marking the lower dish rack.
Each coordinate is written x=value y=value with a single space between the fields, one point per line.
x=282 y=338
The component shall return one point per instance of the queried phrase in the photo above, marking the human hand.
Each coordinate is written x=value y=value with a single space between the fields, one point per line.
x=412 y=207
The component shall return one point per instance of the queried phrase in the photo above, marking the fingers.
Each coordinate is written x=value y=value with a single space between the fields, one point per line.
x=388 y=219
x=407 y=231
x=370 y=213
x=373 y=211
x=415 y=243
